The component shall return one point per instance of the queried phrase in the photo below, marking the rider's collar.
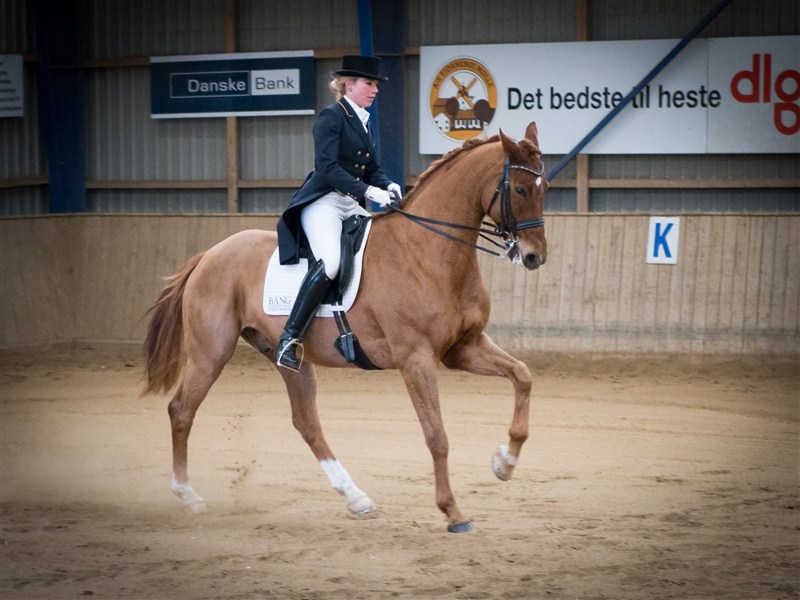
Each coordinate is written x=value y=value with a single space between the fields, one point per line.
x=362 y=113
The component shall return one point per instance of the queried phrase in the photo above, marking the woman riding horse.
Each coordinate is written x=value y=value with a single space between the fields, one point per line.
x=421 y=303
x=346 y=173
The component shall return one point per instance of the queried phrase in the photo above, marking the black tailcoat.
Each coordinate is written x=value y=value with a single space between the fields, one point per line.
x=344 y=161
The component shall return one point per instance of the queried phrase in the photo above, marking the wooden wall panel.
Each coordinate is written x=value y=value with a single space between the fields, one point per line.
x=734 y=291
x=132 y=256
x=36 y=281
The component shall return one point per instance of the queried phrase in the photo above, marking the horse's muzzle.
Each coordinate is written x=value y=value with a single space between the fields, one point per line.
x=532 y=261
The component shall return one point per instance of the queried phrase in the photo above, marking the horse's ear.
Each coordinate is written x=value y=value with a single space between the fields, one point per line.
x=532 y=133
x=509 y=145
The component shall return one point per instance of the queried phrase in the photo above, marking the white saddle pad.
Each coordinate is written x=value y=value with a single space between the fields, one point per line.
x=282 y=283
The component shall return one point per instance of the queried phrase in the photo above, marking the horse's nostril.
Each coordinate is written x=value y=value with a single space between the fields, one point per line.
x=532 y=261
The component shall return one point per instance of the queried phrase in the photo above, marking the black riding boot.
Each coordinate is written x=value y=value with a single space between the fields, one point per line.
x=312 y=291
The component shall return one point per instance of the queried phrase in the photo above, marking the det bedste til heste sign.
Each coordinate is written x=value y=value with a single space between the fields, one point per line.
x=224 y=85
x=718 y=96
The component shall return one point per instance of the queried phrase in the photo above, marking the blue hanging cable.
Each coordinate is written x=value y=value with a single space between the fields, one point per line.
x=365 y=27
x=367 y=49
x=639 y=87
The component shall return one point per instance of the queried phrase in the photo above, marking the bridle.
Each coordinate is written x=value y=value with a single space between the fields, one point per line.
x=508 y=228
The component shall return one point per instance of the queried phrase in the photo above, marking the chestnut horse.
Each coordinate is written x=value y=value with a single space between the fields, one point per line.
x=422 y=302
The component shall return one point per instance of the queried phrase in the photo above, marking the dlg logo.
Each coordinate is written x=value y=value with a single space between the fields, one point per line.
x=757 y=85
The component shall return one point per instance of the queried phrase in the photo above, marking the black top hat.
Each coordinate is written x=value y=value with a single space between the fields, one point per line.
x=361 y=66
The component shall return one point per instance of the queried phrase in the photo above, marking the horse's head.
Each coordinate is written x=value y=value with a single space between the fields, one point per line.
x=521 y=199
x=515 y=204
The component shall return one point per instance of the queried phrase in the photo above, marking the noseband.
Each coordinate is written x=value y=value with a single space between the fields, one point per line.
x=508 y=224
x=508 y=227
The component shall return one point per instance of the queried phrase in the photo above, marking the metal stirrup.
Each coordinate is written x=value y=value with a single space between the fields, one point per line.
x=289 y=344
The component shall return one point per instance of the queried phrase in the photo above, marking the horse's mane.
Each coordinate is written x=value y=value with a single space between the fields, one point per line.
x=450 y=155
x=438 y=163
x=466 y=146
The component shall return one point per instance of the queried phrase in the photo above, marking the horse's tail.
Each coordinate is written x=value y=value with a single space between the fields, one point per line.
x=163 y=344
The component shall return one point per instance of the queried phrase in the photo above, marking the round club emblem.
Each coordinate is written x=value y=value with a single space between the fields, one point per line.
x=463 y=99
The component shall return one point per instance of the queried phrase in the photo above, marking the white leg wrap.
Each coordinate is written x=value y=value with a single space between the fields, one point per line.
x=509 y=458
x=503 y=463
x=357 y=501
x=188 y=496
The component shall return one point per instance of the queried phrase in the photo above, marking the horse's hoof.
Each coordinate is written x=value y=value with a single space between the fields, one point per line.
x=464 y=527
x=503 y=463
x=196 y=508
x=373 y=514
x=362 y=508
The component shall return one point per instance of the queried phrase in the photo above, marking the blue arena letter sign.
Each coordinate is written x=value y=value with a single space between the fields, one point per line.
x=662 y=240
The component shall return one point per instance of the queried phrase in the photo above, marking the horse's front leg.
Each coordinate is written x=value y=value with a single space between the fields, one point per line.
x=420 y=379
x=302 y=388
x=484 y=357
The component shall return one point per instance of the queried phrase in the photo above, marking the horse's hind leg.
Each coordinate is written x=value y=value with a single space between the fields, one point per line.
x=200 y=373
x=302 y=388
x=484 y=357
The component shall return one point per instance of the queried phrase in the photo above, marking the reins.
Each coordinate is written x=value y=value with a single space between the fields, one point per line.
x=507 y=230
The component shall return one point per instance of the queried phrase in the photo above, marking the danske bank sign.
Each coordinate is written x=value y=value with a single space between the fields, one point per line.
x=232 y=85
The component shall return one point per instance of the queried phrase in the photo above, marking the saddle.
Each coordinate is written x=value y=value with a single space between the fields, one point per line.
x=282 y=282
x=353 y=230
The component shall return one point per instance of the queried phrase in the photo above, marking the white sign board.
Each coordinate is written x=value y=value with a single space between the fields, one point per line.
x=662 y=240
x=723 y=95
x=12 y=97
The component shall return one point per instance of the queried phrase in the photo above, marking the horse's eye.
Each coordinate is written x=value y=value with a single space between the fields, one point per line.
x=520 y=190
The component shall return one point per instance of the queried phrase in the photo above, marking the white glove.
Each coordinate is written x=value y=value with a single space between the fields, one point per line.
x=379 y=196
x=394 y=187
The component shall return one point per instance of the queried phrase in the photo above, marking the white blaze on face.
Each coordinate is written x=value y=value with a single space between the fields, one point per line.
x=538 y=181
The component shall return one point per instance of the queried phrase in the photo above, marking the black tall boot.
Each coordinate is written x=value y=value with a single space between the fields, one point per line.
x=309 y=297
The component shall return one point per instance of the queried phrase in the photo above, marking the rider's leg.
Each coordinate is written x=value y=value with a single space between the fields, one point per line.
x=322 y=224
x=310 y=296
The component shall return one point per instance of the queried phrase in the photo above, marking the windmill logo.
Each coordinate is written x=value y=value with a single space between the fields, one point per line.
x=463 y=99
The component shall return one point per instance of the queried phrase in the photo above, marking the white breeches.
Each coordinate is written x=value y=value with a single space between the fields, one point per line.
x=322 y=223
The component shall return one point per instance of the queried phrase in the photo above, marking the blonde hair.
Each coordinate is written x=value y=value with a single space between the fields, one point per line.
x=338 y=85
